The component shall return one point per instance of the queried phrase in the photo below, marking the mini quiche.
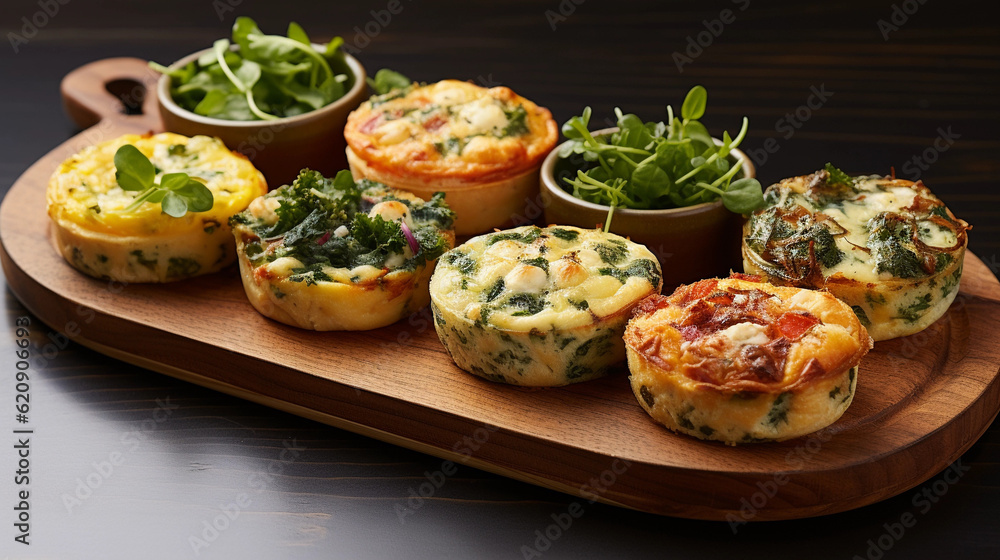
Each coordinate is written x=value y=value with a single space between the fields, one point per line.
x=331 y=254
x=540 y=306
x=91 y=228
x=738 y=360
x=483 y=147
x=887 y=247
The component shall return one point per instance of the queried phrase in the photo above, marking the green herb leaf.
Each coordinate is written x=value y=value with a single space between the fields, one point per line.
x=654 y=165
x=176 y=192
x=269 y=77
x=174 y=204
x=837 y=177
x=387 y=80
x=744 y=196
x=296 y=33
x=199 y=198
x=694 y=103
x=133 y=170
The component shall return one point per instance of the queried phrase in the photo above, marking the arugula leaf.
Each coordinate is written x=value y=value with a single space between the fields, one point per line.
x=387 y=80
x=177 y=193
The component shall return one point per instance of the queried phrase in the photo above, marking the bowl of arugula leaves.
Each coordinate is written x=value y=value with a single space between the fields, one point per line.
x=670 y=186
x=282 y=101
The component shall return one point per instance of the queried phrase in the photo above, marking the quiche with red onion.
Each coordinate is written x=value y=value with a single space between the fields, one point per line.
x=887 y=247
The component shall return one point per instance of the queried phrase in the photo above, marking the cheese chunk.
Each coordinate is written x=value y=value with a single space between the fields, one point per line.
x=521 y=307
x=887 y=247
x=97 y=235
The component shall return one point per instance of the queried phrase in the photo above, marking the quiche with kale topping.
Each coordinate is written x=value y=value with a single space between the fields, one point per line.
x=481 y=146
x=540 y=306
x=887 y=247
x=98 y=234
x=335 y=254
x=738 y=360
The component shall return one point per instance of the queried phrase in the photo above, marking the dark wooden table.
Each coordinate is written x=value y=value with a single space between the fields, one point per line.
x=126 y=463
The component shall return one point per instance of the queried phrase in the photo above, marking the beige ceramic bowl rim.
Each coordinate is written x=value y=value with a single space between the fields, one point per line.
x=166 y=100
x=549 y=184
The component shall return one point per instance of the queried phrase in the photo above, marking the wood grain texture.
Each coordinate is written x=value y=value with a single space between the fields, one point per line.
x=921 y=401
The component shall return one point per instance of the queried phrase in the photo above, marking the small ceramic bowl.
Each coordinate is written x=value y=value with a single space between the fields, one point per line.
x=278 y=148
x=694 y=242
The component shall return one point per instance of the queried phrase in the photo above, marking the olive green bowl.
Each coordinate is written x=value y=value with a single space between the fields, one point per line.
x=278 y=148
x=694 y=242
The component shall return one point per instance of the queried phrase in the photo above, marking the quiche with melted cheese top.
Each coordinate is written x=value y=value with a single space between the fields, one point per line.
x=738 y=360
x=92 y=229
x=335 y=254
x=540 y=306
x=482 y=146
x=887 y=247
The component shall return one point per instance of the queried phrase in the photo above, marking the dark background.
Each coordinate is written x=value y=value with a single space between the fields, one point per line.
x=891 y=98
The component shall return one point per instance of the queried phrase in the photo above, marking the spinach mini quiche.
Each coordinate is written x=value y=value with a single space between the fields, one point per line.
x=887 y=247
x=98 y=232
x=739 y=360
x=540 y=306
x=335 y=254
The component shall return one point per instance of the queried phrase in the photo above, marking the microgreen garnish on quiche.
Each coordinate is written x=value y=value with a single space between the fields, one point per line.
x=177 y=193
x=150 y=208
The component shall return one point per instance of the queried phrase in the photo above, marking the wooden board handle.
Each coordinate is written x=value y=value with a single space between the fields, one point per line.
x=120 y=89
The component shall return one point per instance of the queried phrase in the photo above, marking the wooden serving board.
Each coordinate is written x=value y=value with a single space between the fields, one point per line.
x=921 y=401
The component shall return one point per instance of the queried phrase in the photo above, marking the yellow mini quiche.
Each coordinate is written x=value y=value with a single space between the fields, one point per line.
x=94 y=229
x=738 y=360
x=540 y=306
x=335 y=254
x=887 y=247
x=483 y=147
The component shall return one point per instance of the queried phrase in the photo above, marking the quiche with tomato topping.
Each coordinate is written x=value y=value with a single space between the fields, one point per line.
x=335 y=254
x=93 y=227
x=540 y=306
x=887 y=247
x=481 y=146
x=738 y=360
